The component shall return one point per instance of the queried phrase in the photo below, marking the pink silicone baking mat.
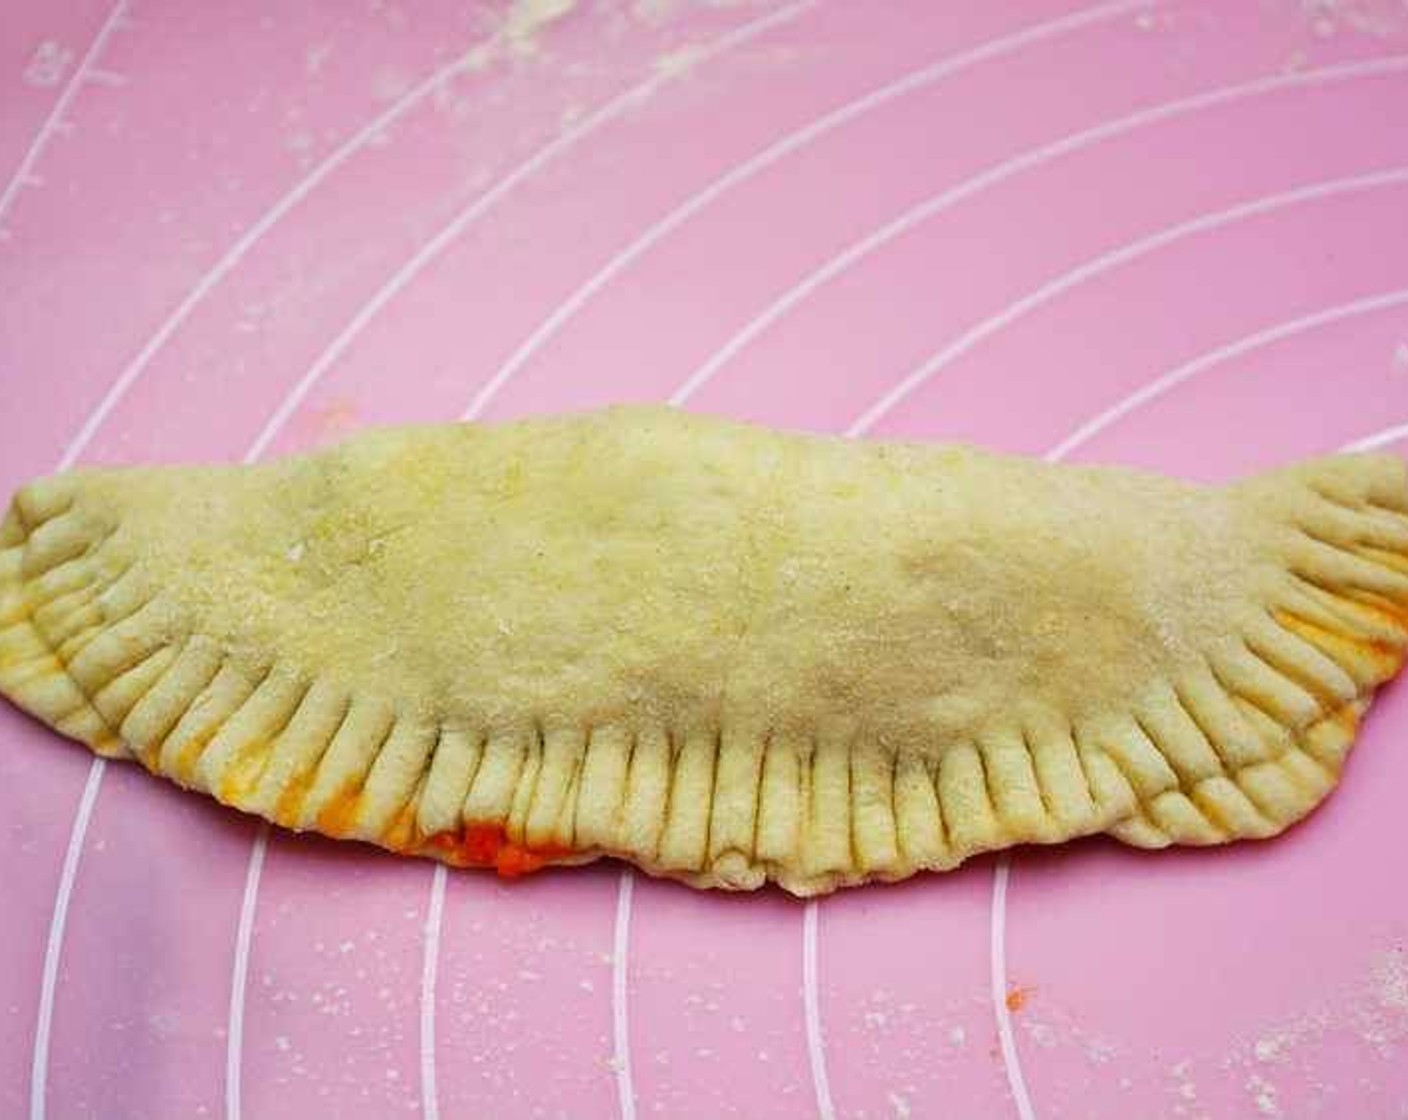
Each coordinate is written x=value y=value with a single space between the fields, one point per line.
x=1173 y=236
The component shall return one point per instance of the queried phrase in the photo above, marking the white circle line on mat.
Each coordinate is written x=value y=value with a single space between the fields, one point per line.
x=1188 y=370
x=55 y=121
x=124 y=381
x=403 y=276
x=430 y=965
x=1378 y=439
x=740 y=173
x=68 y=876
x=775 y=152
x=811 y=1006
x=620 y=1011
x=239 y=972
x=1113 y=259
x=916 y=215
x=53 y=949
x=1156 y=388
x=251 y=236
x=997 y=972
x=411 y=268
x=908 y=220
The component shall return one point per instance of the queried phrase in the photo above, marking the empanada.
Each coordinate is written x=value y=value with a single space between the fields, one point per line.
x=726 y=654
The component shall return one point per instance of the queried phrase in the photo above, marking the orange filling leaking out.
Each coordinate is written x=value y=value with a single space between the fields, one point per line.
x=485 y=845
x=338 y=815
x=1387 y=559
x=1386 y=610
x=184 y=767
x=1386 y=656
x=1017 y=999
x=1346 y=719
x=289 y=806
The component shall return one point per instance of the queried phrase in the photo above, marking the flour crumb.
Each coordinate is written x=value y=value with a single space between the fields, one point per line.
x=1264 y=1094
x=899 y=1104
x=1185 y=1086
x=48 y=64
x=1400 y=357
x=1390 y=972
x=1271 y=1049
x=314 y=58
x=678 y=62
x=389 y=84
x=1042 y=1034
x=957 y=1037
x=654 y=11
x=528 y=17
x=1099 y=1052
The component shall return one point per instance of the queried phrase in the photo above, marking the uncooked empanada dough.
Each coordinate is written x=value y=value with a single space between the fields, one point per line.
x=726 y=654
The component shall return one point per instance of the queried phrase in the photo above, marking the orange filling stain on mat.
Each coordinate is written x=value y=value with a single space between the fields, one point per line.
x=485 y=845
x=1017 y=998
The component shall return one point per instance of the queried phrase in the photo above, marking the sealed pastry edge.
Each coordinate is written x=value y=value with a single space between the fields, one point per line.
x=1242 y=747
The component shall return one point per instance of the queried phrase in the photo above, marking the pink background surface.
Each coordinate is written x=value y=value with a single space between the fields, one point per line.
x=230 y=229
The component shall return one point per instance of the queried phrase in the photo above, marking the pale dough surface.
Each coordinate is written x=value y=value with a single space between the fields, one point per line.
x=1051 y=650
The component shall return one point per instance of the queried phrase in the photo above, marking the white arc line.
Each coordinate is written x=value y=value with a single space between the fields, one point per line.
x=300 y=391
x=620 y=954
x=448 y=234
x=68 y=876
x=39 y=1072
x=430 y=966
x=936 y=204
x=124 y=381
x=134 y=369
x=1115 y=258
x=54 y=122
x=997 y=960
x=270 y=218
x=620 y=1019
x=234 y=1038
x=774 y=153
x=295 y=396
x=811 y=1003
x=330 y=355
x=1010 y=1057
x=997 y=972
x=1161 y=385
x=998 y=920
x=1378 y=439
x=1011 y=1061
